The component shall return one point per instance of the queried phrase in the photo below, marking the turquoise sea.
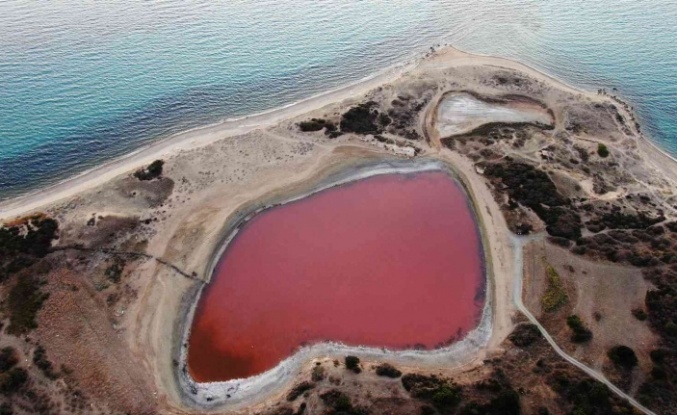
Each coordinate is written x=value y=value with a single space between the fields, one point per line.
x=83 y=82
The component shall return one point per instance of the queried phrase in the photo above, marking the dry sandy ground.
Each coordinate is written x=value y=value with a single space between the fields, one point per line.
x=218 y=172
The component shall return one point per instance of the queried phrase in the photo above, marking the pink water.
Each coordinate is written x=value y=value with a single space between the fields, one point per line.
x=390 y=261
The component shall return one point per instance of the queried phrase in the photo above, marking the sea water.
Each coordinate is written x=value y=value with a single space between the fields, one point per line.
x=82 y=83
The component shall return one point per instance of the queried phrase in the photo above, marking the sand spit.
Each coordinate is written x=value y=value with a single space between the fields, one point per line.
x=240 y=393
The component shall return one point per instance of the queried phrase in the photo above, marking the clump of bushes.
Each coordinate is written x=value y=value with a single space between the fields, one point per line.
x=555 y=296
x=587 y=396
x=388 y=370
x=299 y=390
x=12 y=378
x=318 y=373
x=41 y=361
x=618 y=220
x=534 y=189
x=602 y=150
x=361 y=119
x=524 y=335
x=353 y=364
x=152 y=171
x=22 y=244
x=506 y=403
x=114 y=271
x=444 y=395
x=623 y=356
x=639 y=314
x=340 y=403
x=317 y=124
x=581 y=333
x=8 y=358
x=24 y=301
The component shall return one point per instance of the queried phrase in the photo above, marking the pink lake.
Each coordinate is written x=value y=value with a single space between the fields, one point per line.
x=390 y=261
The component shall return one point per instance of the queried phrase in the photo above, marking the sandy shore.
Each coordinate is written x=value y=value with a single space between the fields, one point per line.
x=447 y=57
x=192 y=139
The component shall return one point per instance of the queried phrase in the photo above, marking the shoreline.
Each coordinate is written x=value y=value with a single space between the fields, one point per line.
x=228 y=127
x=195 y=138
x=240 y=393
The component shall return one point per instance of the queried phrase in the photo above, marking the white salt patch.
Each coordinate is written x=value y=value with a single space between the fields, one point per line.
x=461 y=112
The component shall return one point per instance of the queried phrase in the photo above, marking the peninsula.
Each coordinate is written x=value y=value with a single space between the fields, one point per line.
x=535 y=212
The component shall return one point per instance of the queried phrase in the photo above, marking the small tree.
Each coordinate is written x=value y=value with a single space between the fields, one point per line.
x=581 y=333
x=153 y=171
x=623 y=356
x=353 y=363
x=602 y=150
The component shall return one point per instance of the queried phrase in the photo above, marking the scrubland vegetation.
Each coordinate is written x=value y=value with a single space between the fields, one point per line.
x=152 y=171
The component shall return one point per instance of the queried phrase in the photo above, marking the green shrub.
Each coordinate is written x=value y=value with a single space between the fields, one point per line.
x=22 y=244
x=299 y=390
x=153 y=171
x=388 y=370
x=446 y=396
x=8 y=358
x=639 y=314
x=337 y=400
x=443 y=394
x=353 y=363
x=24 y=301
x=13 y=380
x=555 y=296
x=524 y=335
x=581 y=333
x=623 y=356
x=317 y=374
x=602 y=150
x=316 y=124
x=114 y=271
x=361 y=119
x=41 y=361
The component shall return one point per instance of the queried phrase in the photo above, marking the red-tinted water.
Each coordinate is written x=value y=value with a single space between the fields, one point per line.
x=392 y=261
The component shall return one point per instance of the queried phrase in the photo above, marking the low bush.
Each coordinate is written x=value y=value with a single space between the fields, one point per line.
x=41 y=361
x=12 y=380
x=353 y=364
x=361 y=119
x=581 y=333
x=317 y=374
x=388 y=370
x=22 y=244
x=555 y=296
x=533 y=188
x=24 y=301
x=340 y=403
x=639 y=314
x=316 y=124
x=114 y=271
x=623 y=356
x=299 y=390
x=443 y=394
x=524 y=335
x=8 y=358
x=152 y=171
x=602 y=150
